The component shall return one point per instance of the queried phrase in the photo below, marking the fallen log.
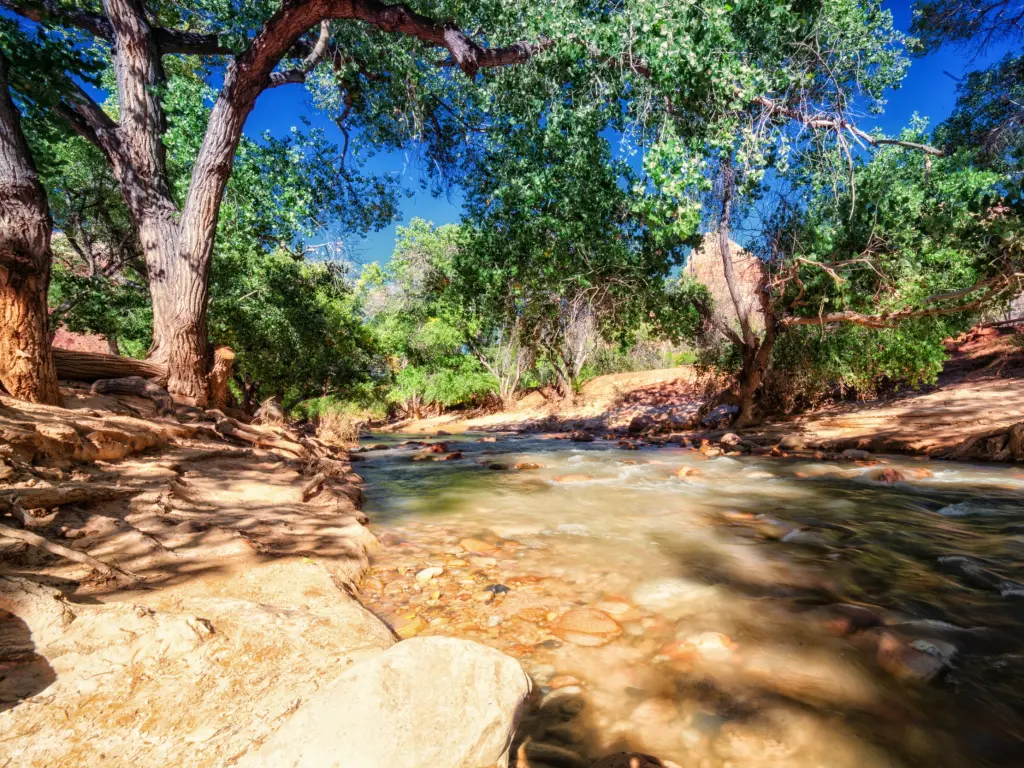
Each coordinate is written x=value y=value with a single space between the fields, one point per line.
x=69 y=493
x=137 y=386
x=92 y=366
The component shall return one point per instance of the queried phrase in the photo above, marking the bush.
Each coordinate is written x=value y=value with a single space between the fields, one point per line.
x=338 y=428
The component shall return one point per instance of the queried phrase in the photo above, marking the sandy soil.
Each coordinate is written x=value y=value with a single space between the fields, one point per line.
x=233 y=601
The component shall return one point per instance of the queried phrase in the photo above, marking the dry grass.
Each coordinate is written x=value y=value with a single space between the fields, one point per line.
x=337 y=428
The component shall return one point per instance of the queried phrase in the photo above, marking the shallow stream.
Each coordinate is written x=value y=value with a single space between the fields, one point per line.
x=755 y=612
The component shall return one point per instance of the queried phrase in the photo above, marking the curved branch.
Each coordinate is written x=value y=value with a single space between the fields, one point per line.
x=891 y=319
x=314 y=57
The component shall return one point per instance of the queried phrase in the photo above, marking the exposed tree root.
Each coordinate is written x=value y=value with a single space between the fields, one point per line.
x=35 y=540
x=69 y=493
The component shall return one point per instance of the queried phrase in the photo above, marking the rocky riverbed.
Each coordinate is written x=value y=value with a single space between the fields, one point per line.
x=716 y=610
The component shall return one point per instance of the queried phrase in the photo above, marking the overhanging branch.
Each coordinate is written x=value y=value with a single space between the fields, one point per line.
x=169 y=41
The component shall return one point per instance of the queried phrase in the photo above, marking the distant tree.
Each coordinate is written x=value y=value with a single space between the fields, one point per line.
x=910 y=251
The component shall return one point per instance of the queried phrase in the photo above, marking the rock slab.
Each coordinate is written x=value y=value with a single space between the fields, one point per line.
x=437 y=701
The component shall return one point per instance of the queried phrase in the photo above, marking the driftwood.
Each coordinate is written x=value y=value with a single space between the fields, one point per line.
x=219 y=376
x=138 y=386
x=92 y=366
x=68 y=493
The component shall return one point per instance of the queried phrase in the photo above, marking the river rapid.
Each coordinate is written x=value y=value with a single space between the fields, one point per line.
x=717 y=611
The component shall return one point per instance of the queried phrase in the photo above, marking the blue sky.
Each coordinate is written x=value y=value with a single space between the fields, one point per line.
x=926 y=90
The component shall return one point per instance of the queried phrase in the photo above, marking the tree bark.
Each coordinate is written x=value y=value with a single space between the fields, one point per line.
x=26 y=362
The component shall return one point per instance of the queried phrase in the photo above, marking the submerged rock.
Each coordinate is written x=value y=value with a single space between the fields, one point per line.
x=586 y=626
x=477 y=546
x=525 y=465
x=918 y=660
x=970 y=571
x=662 y=594
x=435 y=701
x=886 y=476
x=576 y=478
x=855 y=454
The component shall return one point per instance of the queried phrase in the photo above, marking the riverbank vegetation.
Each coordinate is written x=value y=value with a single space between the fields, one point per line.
x=596 y=152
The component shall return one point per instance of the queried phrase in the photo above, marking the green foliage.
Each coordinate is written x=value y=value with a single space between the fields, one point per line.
x=416 y=320
x=988 y=116
x=909 y=234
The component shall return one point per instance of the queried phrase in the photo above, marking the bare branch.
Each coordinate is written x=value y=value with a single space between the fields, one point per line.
x=838 y=124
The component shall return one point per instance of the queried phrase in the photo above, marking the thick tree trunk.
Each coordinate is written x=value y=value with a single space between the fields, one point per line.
x=26 y=363
x=179 y=329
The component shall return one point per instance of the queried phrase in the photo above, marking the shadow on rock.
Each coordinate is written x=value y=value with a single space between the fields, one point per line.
x=23 y=673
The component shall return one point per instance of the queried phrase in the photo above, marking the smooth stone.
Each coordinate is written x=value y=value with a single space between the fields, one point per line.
x=475 y=545
x=563 y=681
x=396 y=709
x=792 y=443
x=855 y=454
x=409 y=626
x=429 y=573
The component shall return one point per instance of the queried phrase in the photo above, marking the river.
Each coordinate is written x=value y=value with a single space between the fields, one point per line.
x=754 y=612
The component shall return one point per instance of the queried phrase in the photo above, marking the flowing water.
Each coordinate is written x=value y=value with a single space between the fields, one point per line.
x=757 y=612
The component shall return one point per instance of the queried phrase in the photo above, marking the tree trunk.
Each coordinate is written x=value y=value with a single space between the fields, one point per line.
x=749 y=383
x=92 y=366
x=179 y=292
x=755 y=363
x=26 y=362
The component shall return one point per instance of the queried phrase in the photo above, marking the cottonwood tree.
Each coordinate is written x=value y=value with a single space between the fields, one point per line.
x=910 y=251
x=178 y=240
x=26 y=363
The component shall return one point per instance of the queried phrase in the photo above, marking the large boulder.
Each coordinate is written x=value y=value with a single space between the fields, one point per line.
x=436 y=701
